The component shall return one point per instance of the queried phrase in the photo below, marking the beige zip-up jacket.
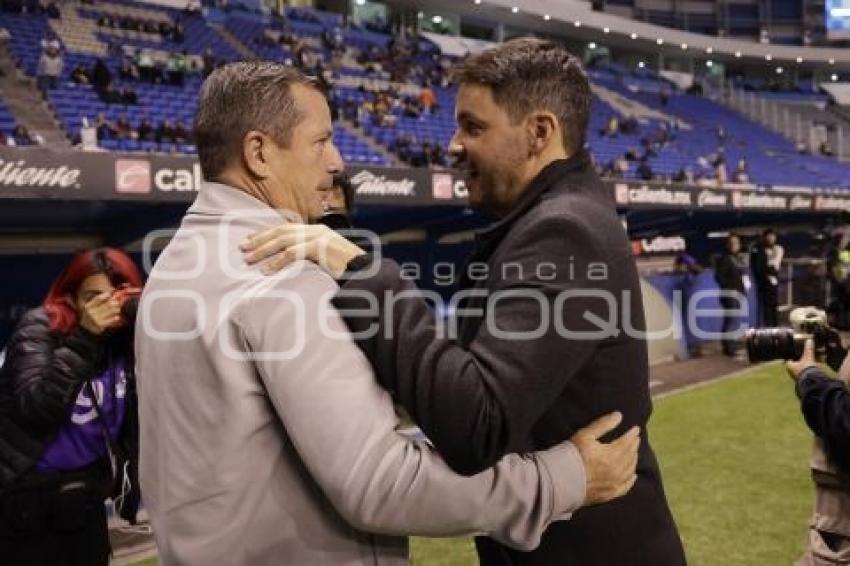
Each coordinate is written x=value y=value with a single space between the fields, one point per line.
x=264 y=436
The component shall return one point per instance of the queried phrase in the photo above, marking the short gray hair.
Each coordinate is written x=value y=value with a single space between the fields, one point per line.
x=529 y=74
x=238 y=98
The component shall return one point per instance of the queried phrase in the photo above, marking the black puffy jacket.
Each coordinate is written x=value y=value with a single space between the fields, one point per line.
x=39 y=384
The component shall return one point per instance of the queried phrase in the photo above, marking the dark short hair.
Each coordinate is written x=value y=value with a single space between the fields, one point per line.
x=529 y=74
x=239 y=97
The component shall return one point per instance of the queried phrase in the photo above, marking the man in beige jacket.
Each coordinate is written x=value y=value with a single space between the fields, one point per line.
x=264 y=436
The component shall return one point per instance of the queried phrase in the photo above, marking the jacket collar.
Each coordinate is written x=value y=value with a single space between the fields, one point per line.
x=218 y=199
x=543 y=182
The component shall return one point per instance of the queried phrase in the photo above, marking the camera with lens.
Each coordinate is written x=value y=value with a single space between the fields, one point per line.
x=766 y=344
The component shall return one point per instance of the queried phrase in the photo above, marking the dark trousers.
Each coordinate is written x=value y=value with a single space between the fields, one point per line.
x=54 y=526
x=731 y=323
x=768 y=303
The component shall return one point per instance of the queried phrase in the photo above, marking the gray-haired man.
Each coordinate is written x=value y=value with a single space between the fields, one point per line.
x=264 y=437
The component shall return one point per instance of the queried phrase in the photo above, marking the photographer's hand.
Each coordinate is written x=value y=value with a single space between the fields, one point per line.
x=100 y=314
x=795 y=367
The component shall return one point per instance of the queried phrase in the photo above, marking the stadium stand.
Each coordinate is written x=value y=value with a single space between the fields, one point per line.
x=380 y=99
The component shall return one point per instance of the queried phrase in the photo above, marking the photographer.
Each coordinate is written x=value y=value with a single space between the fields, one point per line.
x=68 y=416
x=825 y=403
x=826 y=408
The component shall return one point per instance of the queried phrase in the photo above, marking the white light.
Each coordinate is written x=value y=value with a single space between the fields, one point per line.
x=592 y=45
x=641 y=65
x=547 y=17
x=779 y=70
x=709 y=63
x=834 y=77
x=738 y=54
x=799 y=59
x=832 y=61
x=709 y=50
x=839 y=12
x=633 y=36
x=768 y=57
x=361 y=2
x=477 y=2
x=514 y=9
x=420 y=15
x=606 y=30
x=659 y=41
x=578 y=24
x=437 y=19
x=684 y=46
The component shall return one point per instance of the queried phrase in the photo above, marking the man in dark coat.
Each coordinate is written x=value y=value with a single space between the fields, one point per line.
x=729 y=273
x=551 y=323
x=766 y=261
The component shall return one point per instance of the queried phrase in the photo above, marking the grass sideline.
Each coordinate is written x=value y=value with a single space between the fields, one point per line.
x=734 y=457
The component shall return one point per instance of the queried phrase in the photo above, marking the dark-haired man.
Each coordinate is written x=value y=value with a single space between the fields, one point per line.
x=551 y=330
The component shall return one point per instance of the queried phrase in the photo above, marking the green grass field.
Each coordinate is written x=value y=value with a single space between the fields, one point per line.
x=734 y=457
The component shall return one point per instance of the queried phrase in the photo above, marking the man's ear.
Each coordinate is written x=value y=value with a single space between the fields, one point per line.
x=543 y=129
x=255 y=148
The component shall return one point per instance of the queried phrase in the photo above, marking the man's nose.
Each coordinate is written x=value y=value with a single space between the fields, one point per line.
x=455 y=147
x=335 y=162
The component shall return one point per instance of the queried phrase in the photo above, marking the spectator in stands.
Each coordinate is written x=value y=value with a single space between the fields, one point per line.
x=411 y=109
x=180 y=133
x=644 y=171
x=612 y=127
x=740 y=175
x=61 y=456
x=129 y=96
x=80 y=75
x=209 y=61
x=146 y=65
x=349 y=110
x=175 y=68
x=105 y=21
x=103 y=128
x=427 y=99
x=123 y=128
x=629 y=125
x=165 y=132
x=403 y=147
x=50 y=41
x=49 y=69
x=110 y=95
x=825 y=149
x=177 y=34
x=100 y=75
x=718 y=162
x=438 y=157
x=128 y=71
x=684 y=175
x=22 y=136
x=145 y=130
x=729 y=274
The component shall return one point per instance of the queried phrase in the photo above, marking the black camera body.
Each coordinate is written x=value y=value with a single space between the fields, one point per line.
x=767 y=344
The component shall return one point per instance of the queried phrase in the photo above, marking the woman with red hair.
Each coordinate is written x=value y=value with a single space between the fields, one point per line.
x=67 y=416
